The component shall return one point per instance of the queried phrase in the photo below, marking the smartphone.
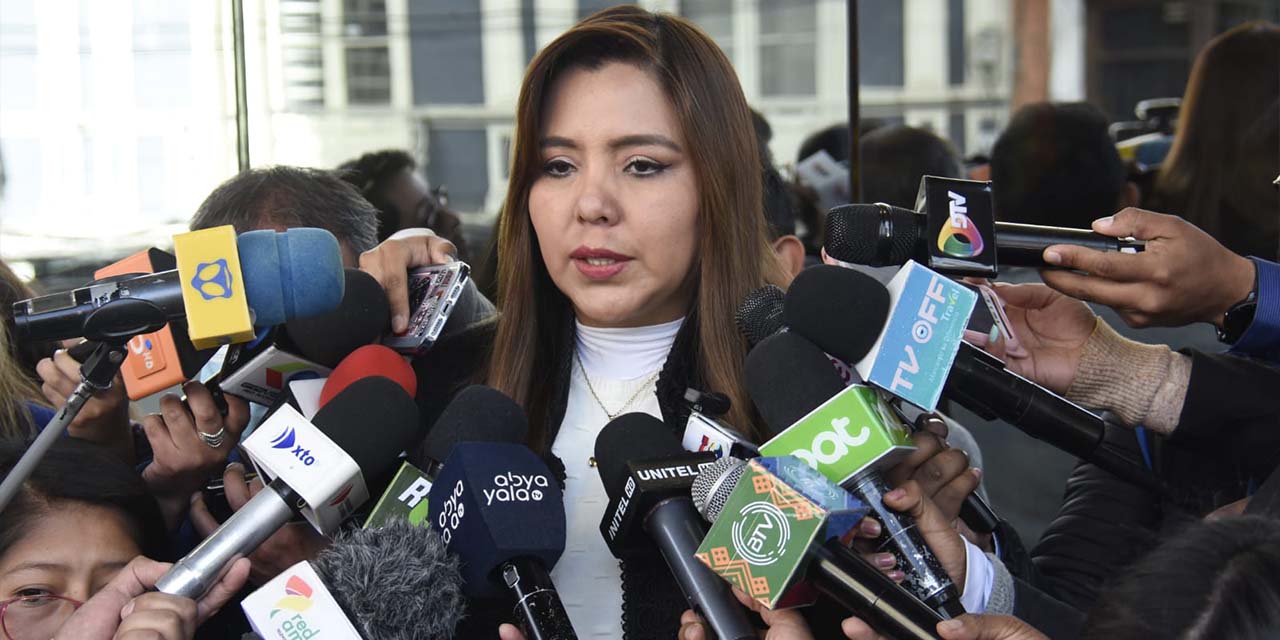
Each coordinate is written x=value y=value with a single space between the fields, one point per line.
x=433 y=291
x=991 y=314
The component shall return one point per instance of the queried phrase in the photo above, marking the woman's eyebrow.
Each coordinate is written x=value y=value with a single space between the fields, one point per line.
x=633 y=140
x=36 y=564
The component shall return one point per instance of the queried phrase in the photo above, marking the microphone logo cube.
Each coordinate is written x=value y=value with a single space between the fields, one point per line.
x=213 y=292
x=848 y=434
x=761 y=539
x=295 y=605
x=960 y=217
x=915 y=351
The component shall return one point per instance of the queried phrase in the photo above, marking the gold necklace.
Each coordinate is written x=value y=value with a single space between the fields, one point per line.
x=592 y=389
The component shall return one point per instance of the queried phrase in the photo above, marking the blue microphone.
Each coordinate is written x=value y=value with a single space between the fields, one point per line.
x=498 y=507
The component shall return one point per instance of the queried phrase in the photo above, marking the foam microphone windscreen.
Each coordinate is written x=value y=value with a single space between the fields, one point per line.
x=760 y=314
x=631 y=436
x=290 y=274
x=494 y=502
x=394 y=582
x=373 y=420
x=855 y=232
x=369 y=360
x=818 y=294
x=361 y=318
x=477 y=414
x=787 y=377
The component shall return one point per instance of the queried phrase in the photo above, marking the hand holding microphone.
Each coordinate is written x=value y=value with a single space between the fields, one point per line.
x=182 y=457
x=1184 y=275
x=104 y=419
x=125 y=608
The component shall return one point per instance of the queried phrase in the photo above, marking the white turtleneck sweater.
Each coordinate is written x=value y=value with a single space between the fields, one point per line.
x=619 y=362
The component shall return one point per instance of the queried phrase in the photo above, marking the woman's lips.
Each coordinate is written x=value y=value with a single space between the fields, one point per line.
x=598 y=264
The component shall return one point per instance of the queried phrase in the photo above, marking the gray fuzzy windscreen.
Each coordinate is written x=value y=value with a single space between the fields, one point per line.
x=396 y=582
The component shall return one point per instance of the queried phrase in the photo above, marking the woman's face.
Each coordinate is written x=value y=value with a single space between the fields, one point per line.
x=615 y=207
x=71 y=550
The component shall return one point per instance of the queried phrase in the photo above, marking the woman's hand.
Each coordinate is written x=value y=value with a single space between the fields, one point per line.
x=987 y=627
x=389 y=263
x=1051 y=328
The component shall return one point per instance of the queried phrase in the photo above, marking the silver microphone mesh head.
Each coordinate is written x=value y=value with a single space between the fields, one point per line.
x=714 y=484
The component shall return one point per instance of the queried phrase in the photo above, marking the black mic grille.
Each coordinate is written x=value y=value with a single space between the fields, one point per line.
x=853 y=234
x=760 y=314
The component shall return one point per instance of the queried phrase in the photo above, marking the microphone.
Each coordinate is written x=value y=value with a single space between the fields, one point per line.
x=154 y=361
x=760 y=314
x=499 y=509
x=850 y=437
x=835 y=317
x=223 y=286
x=369 y=360
x=306 y=348
x=881 y=235
x=647 y=476
x=319 y=470
x=477 y=414
x=768 y=532
x=395 y=581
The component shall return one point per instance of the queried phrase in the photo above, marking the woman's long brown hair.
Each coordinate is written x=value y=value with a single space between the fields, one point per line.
x=734 y=255
x=1226 y=150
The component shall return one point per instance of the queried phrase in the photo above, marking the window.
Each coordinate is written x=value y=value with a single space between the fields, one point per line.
x=368 y=76
x=459 y=162
x=715 y=17
x=788 y=49
x=362 y=18
x=301 y=56
x=364 y=26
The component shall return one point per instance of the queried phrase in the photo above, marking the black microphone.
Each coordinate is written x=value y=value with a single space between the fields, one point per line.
x=497 y=506
x=832 y=567
x=476 y=414
x=881 y=235
x=834 y=317
x=760 y=314
x=371 y=421
x=787 y=378
x=647 y=476
x=394 y=581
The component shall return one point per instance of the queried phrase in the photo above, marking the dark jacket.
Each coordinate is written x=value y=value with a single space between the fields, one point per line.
x=651 y=599
x=1227 y=439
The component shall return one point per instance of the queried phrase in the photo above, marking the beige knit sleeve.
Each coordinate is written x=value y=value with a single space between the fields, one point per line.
x=1142 y=384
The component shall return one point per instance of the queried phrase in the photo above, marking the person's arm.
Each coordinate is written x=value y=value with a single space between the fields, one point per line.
x=1262 y=337
x=1232 y=409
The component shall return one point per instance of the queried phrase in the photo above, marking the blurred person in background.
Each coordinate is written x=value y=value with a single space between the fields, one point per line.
x=1226 y=149
x=895 y=157
x=391 y=182
x=23 y=409
x=27 y=354
x=1056 y=165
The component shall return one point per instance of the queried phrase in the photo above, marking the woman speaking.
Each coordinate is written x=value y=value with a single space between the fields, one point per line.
x=632 y=228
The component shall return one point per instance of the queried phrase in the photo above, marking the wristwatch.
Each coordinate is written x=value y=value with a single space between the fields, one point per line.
x=1238 y=318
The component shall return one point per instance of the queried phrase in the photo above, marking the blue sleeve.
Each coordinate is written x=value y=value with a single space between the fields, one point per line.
x=1262 y=339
